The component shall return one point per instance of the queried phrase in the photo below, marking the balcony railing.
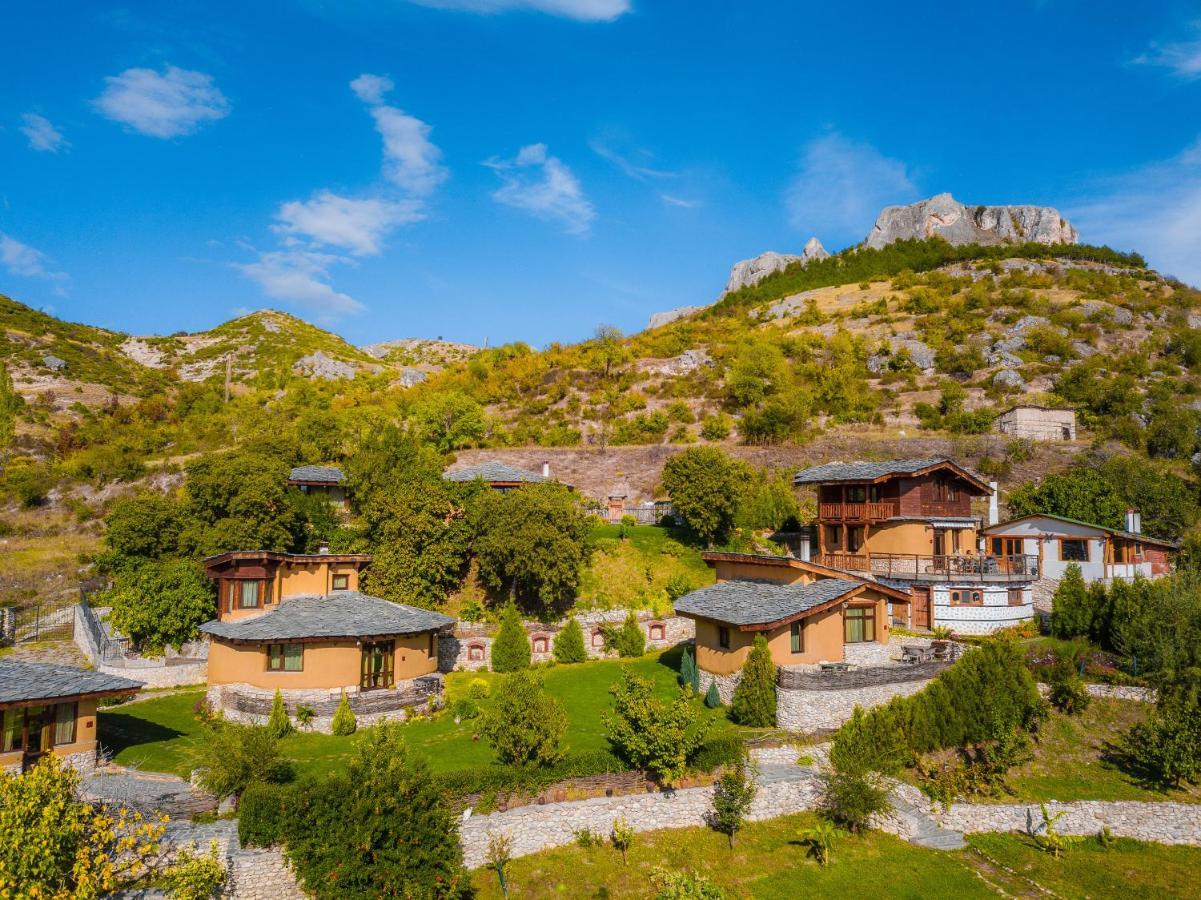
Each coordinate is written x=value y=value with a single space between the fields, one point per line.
x=918 y=567
x=859 y=512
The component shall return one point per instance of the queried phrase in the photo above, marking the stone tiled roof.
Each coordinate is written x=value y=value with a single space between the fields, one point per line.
x=20 y=680
x=864 y=471
x=761 y=602
x=494 y=471
x=341 y=614
x=320 y=474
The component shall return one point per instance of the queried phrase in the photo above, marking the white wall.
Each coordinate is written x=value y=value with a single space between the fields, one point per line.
x=1045 y=532
x=994 y=614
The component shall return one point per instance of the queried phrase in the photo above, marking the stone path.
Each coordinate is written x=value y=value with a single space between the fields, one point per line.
x=149 y=793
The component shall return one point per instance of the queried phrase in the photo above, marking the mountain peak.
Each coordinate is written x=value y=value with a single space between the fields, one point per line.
x=945 y=217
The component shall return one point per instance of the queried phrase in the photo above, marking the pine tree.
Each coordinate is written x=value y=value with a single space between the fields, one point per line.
x=755 y=697
x=1071 y=615
x=569 y=643
x=630 y=639
x=344 y=721
x=511 y=646
x=686 y=666
x=712 y=697
x=278 y=723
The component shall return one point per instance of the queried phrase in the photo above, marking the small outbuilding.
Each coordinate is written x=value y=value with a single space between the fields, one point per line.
x=324 y=481
x=1038 y=423
x=499 y=476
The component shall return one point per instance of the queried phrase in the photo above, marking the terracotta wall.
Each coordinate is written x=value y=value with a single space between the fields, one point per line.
x=916 y=537
x=85 y=736
x=312 y=578
x=822 y=636
x=748 y=571
x=332 y=664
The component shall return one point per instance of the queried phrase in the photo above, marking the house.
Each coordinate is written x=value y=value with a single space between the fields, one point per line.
x=324 y=481
x=1101 y=553
x=1038 y=423
x=499 y=476
x=251 y=582
x=809 y=613
x=51 y=709
x=910 y=520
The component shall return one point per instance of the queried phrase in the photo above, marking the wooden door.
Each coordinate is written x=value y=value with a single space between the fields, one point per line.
x=921 y=608
x=39 y=734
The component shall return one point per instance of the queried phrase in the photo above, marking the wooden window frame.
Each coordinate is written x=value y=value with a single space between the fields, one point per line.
x=723 y=637
x=658 y=627
x=343 y=577
x=974 y=597
x=868 y=616
x=1088 y=550
x=74 y=719
x=1019 y=594
x=540 y=639
x=796 y=636
x=473 y=649
x=861 y=532
x=597 y=640
x=387 y=652
x=833 y=537
x=282 y=657
x=15 y=715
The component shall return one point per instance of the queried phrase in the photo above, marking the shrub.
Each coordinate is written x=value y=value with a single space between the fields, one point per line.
x=305 y=716
x=525 y=725
x=677 y=585
x=732 y=799
x=464 y=709
x=852 y=798
x=712 y=696
x=720 y=750
x=232 y=757
x=684 y=886
x=569 y=643
x=262 y=813
x=511 y=646
x=344 y=722
x=622 y=837
x=1168 y=744
x=630 y=640
x=1068 y=693
x=657 y=735
x=192 y=876
x=687 y=668
x=754 y=702
x=278 y=724
x=478 y=689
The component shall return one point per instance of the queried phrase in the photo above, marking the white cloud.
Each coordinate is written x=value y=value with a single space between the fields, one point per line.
x=1155 y=210
x=164 y=105
x=300 y=276
x=581 y=10
x=842 y=185
x=635 y=170
x=21 y=259
x=1183 y=58
x=42 y=134
x=371 y=88
x=672 y=200
x=543 y=186
x=411 y=160
x=358 y=226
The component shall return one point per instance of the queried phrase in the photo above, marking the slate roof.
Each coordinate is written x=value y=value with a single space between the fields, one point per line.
x=864 y=471
x=1116 y=532
x=319 y=474
x=761 y=602
x=493 y=471
x=344 y=614
x=20 y=680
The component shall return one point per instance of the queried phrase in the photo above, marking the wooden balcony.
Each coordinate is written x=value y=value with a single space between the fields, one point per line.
x=857 y=512
x=919 y=567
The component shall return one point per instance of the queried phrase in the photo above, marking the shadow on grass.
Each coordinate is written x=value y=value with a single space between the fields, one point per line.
x=1116 y=757
x=119 y=731
x=671 y=657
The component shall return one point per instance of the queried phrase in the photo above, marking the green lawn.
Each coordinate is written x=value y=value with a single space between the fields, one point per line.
x=770 y=862
x=159 y=734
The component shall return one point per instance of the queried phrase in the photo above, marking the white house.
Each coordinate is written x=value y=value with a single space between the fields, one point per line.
x=1102 y=553
x=1039 y=423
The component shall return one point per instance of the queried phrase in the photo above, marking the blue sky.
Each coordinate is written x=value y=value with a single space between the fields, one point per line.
x=527 y=169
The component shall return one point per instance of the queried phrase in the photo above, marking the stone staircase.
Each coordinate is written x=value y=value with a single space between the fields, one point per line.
x=922 y=830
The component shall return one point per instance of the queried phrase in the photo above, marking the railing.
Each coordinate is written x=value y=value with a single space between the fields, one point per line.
x=869 y=511
x=916 y=566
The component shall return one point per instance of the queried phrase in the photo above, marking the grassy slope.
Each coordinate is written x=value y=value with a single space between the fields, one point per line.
x=161 y=734
x=633 y=572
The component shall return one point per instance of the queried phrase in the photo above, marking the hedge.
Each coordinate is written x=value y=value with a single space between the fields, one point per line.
x=263 y=812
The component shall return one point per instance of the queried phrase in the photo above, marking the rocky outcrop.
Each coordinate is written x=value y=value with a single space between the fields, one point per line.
x=919 y=353
x=318 y=365
x=945 y=217
x=659 y=319
x=688 y=361
x=411 y=377
x=752 y=271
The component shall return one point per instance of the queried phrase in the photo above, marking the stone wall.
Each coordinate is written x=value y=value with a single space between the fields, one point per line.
x=261 y=874
x=469 y=647
x=171 y=670
x=535 y=828
x=816 y=710
x=1162 y=822
x=725 y=685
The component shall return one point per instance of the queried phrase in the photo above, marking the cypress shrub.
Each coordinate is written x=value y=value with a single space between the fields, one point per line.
x=755 y=696
x=712 y=697
x=344 y=721
x=630 y=639
x=511 y=647
x=686 y=667
x=278 y=723
x=1071 y=613
x=569 y=643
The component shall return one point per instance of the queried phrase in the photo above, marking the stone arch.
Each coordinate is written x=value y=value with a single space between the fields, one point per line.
x=598 y=639
x=540 y=643
x=656 y=631
x=476 y=651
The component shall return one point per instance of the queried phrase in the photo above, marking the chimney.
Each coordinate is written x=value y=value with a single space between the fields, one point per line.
x=993 y=513
x=1134 y=521
x=804 y=546
x=323 y=548
x=546 y=470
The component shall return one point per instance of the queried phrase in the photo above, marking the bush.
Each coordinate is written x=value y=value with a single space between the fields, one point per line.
x=712 y=696
x=525 y=725
x=262 y=813
x=1068 y=693
x=478 y=689
x=718 y=751
x=569 y=643
x=464 y=709
x=192 y=876
x=631 y=642
x=502 y=779
x=232 y=757
x=511 y=646
x=1168 y=744
x=677 y=586
x=754 y=702
x=684 y=886
x=278 y=723
x=344 y=722
x=852 y=798
x=1071 y=606
x=657 y=735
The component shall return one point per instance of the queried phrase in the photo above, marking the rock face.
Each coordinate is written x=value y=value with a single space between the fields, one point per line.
x=660 y=319
x=318 y=365
x=752 y=271
x=688 y=361
x=944 y=216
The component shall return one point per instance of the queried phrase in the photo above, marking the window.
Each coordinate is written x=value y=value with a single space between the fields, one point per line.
x=854 y=537
x=540 y=644
x=598 y=639
x=860 y=624
x=1016 y=597
x=64 y=723
x=377 y=665
x=475 y=652
x=1073 y=549
x=657 y=631
x=723 y=637
x=945 y=490
x=285 y=657
x=856 y=493
x=967 y=598
x=341 y=582
x=14 y=730
x=797 y=633
x=833 y=537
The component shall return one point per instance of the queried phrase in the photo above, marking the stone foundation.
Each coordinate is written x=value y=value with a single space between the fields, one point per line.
x=806 y=710
x=725 y=685
x=252 y=705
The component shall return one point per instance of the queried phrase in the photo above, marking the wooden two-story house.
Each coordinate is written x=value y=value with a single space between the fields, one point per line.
x=910 y=520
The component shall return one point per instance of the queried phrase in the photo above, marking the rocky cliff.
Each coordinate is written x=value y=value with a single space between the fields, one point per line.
x=752 y=271
x=944 y=216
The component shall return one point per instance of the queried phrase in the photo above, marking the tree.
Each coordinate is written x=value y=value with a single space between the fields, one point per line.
x=162 y=603
x=1081 y=493
x=232 y=756
x=754 y=703
x=10 y=402
x=382 y=830
x=56 y=845
x=622 y=836
x=500 y=853
x=525 y=725
x=628 y=640
x=451 y=421
x=705 y=486
x=608 y=349
x=531 y=543
x=239 y=501
x=712 y=696
x=343 y=722
x=569 y=643
x=278 y=724
x=143 y=527
x=1168 y=744
x=1071 y=606
x=852 y=798
x=658 y=735
x=687 y=667
x=511 y=646
x=732 y=799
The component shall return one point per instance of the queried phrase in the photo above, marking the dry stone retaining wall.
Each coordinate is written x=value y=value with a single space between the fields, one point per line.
x=815 y=710
x=1162 y=822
